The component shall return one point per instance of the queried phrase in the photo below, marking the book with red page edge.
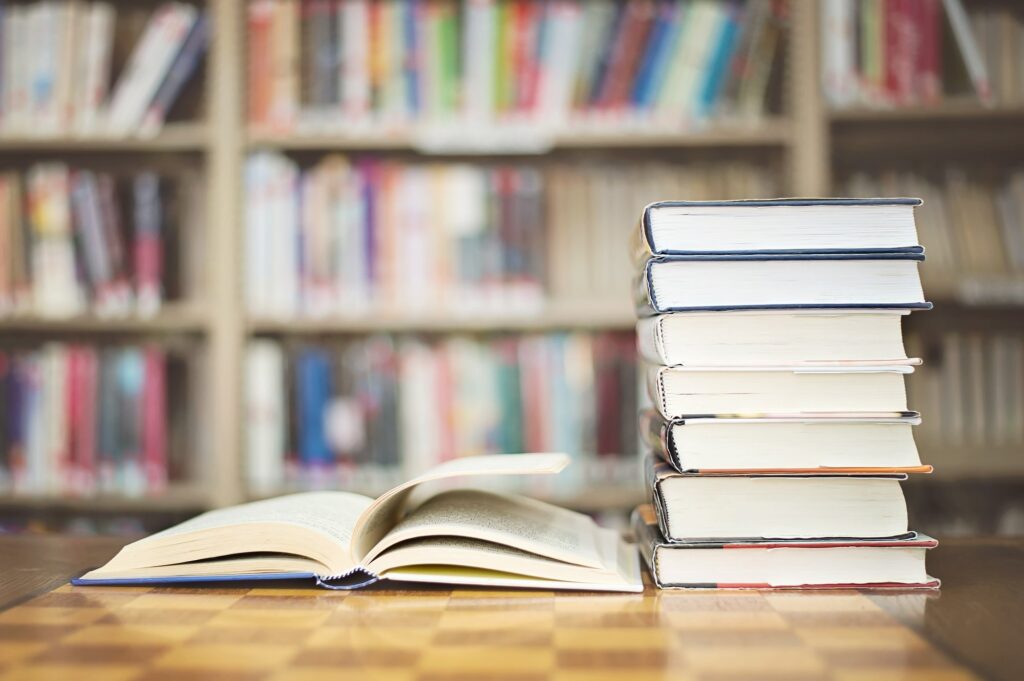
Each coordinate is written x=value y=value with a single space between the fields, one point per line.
x=650 y=541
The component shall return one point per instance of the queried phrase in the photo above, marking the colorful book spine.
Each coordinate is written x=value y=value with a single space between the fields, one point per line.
x=417 y=62
x=84 y=245
x=402 y=405
x=79 y=421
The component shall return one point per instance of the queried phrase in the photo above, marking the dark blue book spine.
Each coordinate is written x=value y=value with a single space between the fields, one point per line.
x=612 y=38
x=181 y=70
x=313 y=389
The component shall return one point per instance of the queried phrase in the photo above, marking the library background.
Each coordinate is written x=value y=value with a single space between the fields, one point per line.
x=248 y=248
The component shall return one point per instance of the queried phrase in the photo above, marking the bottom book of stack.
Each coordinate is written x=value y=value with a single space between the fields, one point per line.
x=798 y=532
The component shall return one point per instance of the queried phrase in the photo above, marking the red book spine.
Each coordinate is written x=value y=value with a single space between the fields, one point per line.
x=529 y=17
x=634 y=40
x=930 y=54
x=154 y=424
x=72 y=407
x=891 y=29
x=529 y=394
x=85 y=455
x=259 y=18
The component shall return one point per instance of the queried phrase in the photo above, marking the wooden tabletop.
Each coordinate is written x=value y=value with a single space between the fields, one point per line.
x=971 y=629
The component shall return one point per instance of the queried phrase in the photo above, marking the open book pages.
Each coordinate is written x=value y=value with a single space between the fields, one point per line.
x=460 y=536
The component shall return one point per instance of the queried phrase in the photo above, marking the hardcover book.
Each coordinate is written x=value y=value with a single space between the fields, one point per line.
x=783 y=281
x=897 y=563
x=819 y=443
x=343 y=540
x=776 y=506
x=766 y=226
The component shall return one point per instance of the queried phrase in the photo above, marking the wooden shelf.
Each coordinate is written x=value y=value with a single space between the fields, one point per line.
x=585 y=316
x=765 y=133
x=174 y=137
x=175 y=498
x=171 y=319
x=955 y=111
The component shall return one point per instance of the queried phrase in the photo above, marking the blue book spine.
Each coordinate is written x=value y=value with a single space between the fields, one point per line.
x=313 y=377
x=656 y=52
x=663 y=59
x=410 y=10
x=719 y=63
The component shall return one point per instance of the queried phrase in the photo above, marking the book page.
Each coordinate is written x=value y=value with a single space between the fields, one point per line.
x=443 y=560
x=460 y=552
x=514 y=521
x=378 y=518
x=223 y=532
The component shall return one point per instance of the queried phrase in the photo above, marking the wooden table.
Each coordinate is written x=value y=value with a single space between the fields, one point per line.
x=974 y=627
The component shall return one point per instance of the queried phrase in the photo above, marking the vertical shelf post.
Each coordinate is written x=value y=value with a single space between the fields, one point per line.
x=809 y=163
x=223 y=258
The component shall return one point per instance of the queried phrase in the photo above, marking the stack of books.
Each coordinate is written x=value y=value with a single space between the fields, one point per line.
x=773 y=355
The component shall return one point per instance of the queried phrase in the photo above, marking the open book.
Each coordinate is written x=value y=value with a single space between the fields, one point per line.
x=344 y=540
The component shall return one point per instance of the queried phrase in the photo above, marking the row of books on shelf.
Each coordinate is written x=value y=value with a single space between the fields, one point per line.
x=348 y=235
x=314 y=64
x=86 y=68
x=74 y=240
x=81 y=420
x=776 y=415
x=972 y=387
x=316 y=411
x=972 y=224
x=907 y=52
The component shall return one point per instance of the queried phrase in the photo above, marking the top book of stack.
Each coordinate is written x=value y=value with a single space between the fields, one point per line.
x=778 y=253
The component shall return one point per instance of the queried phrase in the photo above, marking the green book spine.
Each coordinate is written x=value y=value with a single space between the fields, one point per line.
x=449 y=78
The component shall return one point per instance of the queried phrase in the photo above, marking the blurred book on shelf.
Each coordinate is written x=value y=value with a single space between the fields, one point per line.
x=349 y=237
x=371 y=411
x=82 y=420
x=84 y=68
x=468 y=67
x=76 y=240
x=971 y=394
x=921 y=52
x=972 y=224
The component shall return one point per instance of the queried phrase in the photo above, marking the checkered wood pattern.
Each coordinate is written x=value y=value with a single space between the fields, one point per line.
x=286 y=634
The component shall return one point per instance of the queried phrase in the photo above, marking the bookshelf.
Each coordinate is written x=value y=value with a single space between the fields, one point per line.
x=810 y=143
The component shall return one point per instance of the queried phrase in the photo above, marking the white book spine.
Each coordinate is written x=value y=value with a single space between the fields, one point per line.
x=561 y=53
x=355 y=46
x=266 y=415
x=478 y=47
x=838 y=72
x=257 y=234
x=95 y=64
x=148 y=65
